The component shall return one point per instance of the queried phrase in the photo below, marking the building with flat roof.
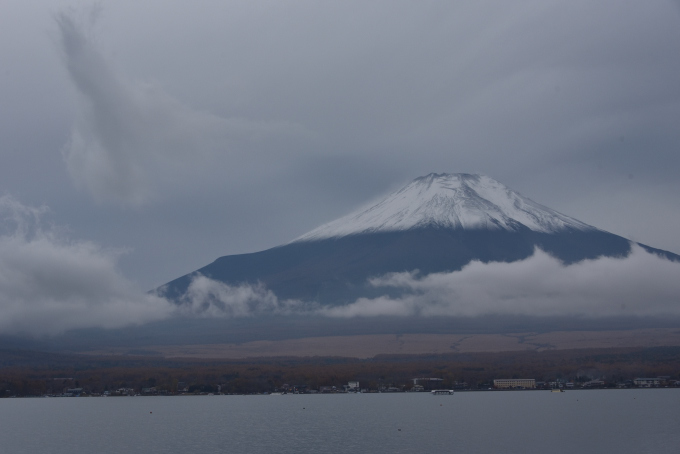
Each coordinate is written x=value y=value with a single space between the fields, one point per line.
x=646 y=382
x=508 y=383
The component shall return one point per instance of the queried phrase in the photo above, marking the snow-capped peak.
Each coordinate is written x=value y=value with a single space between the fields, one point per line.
x=451 y=201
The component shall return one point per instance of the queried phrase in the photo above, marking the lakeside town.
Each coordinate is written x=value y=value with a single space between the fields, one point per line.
x=36 y=374
x=431 y=384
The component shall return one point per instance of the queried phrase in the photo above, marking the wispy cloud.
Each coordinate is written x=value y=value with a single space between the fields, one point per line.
x=132 y=139
x=207 y=297
x=641 y=284
x=50 y=284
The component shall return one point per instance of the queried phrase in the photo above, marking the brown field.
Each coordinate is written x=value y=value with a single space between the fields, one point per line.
x=368 y=346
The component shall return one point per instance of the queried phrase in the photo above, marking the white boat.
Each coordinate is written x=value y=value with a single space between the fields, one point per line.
x=442 y=392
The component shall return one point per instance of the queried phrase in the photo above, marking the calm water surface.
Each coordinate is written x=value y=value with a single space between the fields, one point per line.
x=596 y=421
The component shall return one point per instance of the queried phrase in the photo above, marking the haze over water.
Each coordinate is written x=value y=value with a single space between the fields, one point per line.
x=620 y=421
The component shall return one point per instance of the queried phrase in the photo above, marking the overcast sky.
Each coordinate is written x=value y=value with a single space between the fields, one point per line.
x=175 y=132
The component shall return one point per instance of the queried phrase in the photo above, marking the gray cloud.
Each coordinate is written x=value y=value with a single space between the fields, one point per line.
x=50 y=284
x=132 y=140
x=641 y=284
x=207 y=297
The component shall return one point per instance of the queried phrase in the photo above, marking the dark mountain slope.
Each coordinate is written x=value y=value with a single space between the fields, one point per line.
x=336 y=271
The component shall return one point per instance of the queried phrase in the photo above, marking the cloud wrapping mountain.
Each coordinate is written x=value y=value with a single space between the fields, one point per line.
x=641 y=284
x=455 y=245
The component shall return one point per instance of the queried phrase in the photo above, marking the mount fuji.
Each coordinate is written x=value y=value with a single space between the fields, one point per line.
x=436 y=223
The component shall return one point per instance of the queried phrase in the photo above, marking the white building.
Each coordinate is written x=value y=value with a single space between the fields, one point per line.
x=507 y=383
x=646 y=382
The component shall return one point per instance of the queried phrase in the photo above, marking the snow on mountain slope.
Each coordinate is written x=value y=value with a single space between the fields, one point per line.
x=451 y=201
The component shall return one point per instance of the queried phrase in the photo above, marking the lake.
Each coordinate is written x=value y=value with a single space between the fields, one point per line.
x=588 y=421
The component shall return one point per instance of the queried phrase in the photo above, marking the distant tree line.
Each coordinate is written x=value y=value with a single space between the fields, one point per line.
x=33 y=373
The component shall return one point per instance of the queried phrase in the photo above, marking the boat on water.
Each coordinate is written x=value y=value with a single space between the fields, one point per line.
x=556 y=390
x=437 y=392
